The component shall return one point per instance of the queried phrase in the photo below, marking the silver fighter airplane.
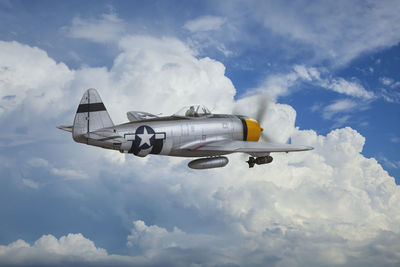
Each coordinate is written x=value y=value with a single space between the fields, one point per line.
x=191 y=132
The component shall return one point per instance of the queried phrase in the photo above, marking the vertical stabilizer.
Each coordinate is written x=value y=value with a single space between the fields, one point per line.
x=90 y=116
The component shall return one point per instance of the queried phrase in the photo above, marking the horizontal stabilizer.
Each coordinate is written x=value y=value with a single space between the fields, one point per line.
x=65 y=128
x=139 y=116
x=104 y=135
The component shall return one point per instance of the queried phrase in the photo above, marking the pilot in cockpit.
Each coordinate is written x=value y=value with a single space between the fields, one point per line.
x=190 y=112
x=193 y=111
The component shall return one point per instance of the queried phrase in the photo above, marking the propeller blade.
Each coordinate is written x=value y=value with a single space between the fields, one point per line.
x=262 y=107
x=263 y=103
x=266 y=138
x=236 y=110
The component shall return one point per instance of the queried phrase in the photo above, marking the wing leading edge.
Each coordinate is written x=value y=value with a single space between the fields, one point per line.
x=250 y=147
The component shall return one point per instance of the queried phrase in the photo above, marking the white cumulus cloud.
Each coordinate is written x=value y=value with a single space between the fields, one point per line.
x=154 y=237
x=205 y=23
x=107 y=28
x=329 y=206
x=31 y=80
x=48 y=250
x=159 y=76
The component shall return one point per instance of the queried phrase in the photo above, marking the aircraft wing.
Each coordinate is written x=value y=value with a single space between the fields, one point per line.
x=250 y=147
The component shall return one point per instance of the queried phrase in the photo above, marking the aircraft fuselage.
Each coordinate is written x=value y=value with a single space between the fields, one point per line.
x=173 y=136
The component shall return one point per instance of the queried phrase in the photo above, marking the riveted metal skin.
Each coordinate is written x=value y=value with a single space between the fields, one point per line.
x=182 y=134
x=175 y=136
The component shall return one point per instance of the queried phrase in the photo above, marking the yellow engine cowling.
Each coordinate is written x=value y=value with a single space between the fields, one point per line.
x=253 y=130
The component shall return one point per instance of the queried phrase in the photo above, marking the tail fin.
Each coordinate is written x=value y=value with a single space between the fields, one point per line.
x=90 y=116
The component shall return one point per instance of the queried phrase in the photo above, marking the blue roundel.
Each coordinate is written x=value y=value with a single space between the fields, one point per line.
x=144 y=137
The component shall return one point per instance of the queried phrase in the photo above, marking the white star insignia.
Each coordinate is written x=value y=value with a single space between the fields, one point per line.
x=145 y=138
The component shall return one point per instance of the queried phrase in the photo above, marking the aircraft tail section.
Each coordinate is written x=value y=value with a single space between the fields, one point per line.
x=90 y=116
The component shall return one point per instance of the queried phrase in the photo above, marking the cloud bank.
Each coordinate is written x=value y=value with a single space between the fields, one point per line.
x=330 y=206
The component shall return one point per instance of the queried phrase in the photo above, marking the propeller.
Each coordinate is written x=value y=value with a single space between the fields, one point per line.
x=263 y=103
x=262 y=107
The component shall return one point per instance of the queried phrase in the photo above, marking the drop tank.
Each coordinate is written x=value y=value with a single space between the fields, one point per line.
x=208 y=163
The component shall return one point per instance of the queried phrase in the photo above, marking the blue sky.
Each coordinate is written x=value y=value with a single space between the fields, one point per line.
x=330 y=69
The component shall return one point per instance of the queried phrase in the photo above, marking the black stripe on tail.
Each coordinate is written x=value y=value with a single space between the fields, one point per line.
x=93 y=107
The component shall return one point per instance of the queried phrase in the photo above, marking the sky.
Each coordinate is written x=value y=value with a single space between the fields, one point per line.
x=329 y=68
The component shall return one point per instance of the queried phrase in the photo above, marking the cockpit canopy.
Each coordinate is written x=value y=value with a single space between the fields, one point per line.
x=193 y=111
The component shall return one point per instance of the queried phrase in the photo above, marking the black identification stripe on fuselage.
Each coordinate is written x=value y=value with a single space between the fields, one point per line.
x=158 y=145
x=90 y=107
x=156 y=149
x=244 y=129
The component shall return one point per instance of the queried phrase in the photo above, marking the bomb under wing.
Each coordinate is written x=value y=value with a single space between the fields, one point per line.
x=191 y=132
